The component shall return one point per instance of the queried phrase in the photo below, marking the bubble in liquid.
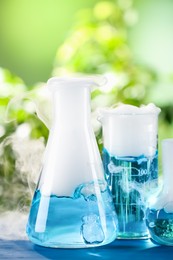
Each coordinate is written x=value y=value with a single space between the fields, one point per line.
x=152 y=224
x=91 y=229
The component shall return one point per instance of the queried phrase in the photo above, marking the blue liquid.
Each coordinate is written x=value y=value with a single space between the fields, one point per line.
x=131 y=180
x=85 y=219
x=160 y=226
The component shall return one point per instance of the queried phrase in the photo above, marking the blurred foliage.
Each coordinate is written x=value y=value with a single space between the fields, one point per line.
x=16 y=106
x=97 y=44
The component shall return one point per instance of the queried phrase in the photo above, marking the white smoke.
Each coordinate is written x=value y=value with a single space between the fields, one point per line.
x=13 y=225
x=26 y=153
x=29 y=154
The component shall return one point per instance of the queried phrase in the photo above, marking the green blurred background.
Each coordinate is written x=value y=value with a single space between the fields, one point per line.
x=30 y=33
x=128 y=41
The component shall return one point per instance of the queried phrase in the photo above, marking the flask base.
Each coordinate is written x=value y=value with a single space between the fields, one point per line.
x=68 y=246
x=72 y=222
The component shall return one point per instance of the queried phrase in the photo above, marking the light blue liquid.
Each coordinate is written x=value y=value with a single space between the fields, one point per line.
x=131 y=180
x=82 y=220
x=160 y=226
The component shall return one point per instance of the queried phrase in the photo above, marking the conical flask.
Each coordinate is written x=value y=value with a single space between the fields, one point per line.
x=72 y=206
x=159 y=215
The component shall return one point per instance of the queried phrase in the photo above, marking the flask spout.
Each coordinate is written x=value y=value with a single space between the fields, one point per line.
x=83 y=81
x=71 y=99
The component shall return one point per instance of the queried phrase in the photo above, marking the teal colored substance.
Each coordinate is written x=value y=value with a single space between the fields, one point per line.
x=82 y=220
x=160 y=226
x=131 y=179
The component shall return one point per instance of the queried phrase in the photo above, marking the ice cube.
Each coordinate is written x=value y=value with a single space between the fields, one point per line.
x=91 y=229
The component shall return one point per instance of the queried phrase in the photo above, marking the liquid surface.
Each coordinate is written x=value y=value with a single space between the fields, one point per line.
x=160 y=226
x=131 y=180
x=85 y=219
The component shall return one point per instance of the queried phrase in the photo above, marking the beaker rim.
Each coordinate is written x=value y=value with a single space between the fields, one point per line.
x=76 y=80
x=130 y=110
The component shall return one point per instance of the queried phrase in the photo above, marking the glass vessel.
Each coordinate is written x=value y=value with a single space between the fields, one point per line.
x=72 y=206
x=130 y=161
x=159 y=215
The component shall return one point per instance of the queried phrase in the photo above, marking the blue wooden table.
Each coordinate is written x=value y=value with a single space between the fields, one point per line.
x=118 y=250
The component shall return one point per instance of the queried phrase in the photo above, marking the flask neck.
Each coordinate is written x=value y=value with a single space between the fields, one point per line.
x=71 y=106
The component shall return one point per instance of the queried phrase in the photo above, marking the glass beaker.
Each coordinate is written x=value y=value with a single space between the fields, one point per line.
x=72 y=206
x=130 y=160
x=159 y=215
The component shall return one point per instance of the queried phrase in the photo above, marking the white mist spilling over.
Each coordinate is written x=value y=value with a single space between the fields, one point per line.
x=129 y=130
x=29 y=155
x=13 y=225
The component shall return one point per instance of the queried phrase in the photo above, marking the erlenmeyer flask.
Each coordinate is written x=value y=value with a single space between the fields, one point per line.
x=72 y=205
